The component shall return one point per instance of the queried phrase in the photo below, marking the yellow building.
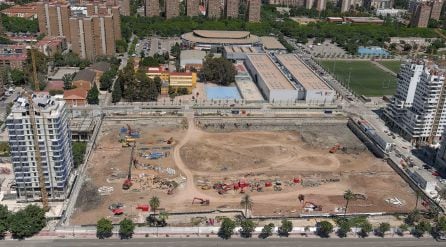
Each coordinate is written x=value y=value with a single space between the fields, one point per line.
x=183 y=80
x=153 y=72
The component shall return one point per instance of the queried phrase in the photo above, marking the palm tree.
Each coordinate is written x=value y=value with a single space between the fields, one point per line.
x=154 y=203
x=247 y=203
x=348 y=196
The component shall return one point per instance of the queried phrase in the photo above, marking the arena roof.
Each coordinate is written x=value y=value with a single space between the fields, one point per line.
x=221 y=37
x=271 y=43
x=221 y=34
x=269 y=72
x=307 y=78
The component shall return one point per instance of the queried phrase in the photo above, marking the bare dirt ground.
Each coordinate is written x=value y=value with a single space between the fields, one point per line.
x=202 y=159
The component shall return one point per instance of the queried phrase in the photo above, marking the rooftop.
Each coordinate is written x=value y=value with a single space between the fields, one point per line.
x=271 y=43
x=42 y=102
x=271 y=75
x=100 y=66
x=220 y=37
x=192 y=54
x=85 y=75
x=221 y=34
x=77 y=93
x=307 y=78
x=240 y=49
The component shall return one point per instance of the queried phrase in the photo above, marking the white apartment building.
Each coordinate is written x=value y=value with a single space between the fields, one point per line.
x=54 y=139
x=408 y=79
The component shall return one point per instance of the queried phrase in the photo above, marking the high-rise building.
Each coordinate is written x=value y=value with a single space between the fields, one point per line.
x=419 y=110
x=321 y=5
x=309 y=4
x=437 y=5
x=105 y=10
x=172 y=8
x=213 y=9
x=54 y=138
x=421 y=16
x=192 y=7
x=287 y=3
x=152 y=8
x=346 y=5
x=408 y=78
x=93 y=36
x=53 y=18
x=254 y=10
x=125 y=7
x=232 y=8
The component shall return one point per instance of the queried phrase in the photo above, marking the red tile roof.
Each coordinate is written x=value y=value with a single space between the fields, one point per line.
x=78 y=93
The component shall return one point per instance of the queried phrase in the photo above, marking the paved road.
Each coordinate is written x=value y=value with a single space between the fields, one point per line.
x=291 y=242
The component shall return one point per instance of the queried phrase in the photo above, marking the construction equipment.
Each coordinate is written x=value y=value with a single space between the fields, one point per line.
x=127 y=140
x=335 y=148
x=170 y=140
x=202 y=202
x=132 y=133
x=128 y=182
x=311 y=206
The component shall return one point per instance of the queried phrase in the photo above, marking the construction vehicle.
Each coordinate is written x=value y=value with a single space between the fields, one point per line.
x=127 y=140
x=311 y=206
x=32 y=116
x=335 y=148
x=200 y=201
x=132 y=133
x=128 y=182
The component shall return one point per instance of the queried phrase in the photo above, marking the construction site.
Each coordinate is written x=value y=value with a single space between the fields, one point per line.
x=195 y=165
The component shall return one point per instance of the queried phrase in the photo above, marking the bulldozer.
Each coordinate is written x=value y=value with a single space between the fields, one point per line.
x=202 y=202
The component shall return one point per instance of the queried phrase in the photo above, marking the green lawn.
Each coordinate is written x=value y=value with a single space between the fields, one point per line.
x=365 y=77
x=392 y=65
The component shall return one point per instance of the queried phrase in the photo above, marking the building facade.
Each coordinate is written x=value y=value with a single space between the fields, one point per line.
x=152 y=8
x=13 y=56
x=172 y=8
x=192 y=7
x=420 y=17
x=437 y=6
x=54 y=138
x=213 y=9
x=254 y=7
x=53 y=19
x=232 y=8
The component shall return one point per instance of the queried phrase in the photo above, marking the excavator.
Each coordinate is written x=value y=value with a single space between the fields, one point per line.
x=202 y=202
x=128 y=182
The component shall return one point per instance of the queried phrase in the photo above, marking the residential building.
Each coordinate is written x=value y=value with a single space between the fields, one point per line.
x=54 y=139
x=27 y=11
x=321 y=5
x=84 y=79
x=172 y=8
x=346 y=5
x=408 y=79
x=440 y=160
x=192 y=59
x=437 y=6
x=125 y=7
x=54 y=19
x=288 y=3
x=418 y=109
x=13 y=56
x=254 y=7
x=152 y=8
x=94 y=9
x=192 y=7
x=76 y=97
x=390 y=12
x=51 y=45
x=213 y=9
x=179 y=80
x=421 y=16
x=232 y=8
x=93 y=36
x=378 y=4
x=99 y=69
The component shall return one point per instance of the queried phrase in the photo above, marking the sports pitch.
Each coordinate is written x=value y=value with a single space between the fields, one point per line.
x=363 y=77
x=392 y=65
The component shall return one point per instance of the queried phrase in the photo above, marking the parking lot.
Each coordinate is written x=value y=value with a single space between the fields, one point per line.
x=154 y=45
x=324 y=49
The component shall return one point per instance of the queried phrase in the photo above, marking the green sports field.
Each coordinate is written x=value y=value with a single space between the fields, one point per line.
x=392 y=65
x=365 y=77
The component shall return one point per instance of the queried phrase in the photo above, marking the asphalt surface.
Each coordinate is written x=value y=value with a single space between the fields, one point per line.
x=289 y=242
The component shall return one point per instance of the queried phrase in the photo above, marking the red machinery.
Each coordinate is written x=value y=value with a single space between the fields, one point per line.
x=202 y=202
x=143 y=207
x=128 y=182
x=118 y=211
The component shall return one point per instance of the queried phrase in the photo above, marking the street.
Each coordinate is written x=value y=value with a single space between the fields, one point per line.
x=285 y=242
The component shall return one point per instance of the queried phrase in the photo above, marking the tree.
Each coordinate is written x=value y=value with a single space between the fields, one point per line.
x=247 y=203
x=344 y=227
x=175 y=50
x=382 y=229
x=219 y=70
x=247 y=228
x=106 y=79
x=348 y=196
x=78 y=152
x=154 y=203
x=402 y=228
x=117 y=92
x=4 y=217
x=126 y=228
x=285 y=228
x=93 y=95
x=324 y=228
x=412 y=217
x=422 y=227
x=366 y=228
x=158 y=84
x=17 y=77
x=267 y=231
x=226 y=229
x=104 y=228
x=27 y=222
x=67 y=81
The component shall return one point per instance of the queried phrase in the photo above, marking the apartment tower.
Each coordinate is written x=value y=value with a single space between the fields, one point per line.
x=421 y=16
x=53 y=19
x=172 y=8
x=54 y=138
x=152 y=8
x=254 y=10
x=213 y=9
x=192 y=7
x=232 y=8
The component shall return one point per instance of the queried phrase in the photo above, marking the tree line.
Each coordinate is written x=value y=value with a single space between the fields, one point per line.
x=23 y=223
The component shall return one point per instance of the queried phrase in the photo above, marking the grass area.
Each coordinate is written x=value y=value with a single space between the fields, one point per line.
x=365 y=77
x=392 y=65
